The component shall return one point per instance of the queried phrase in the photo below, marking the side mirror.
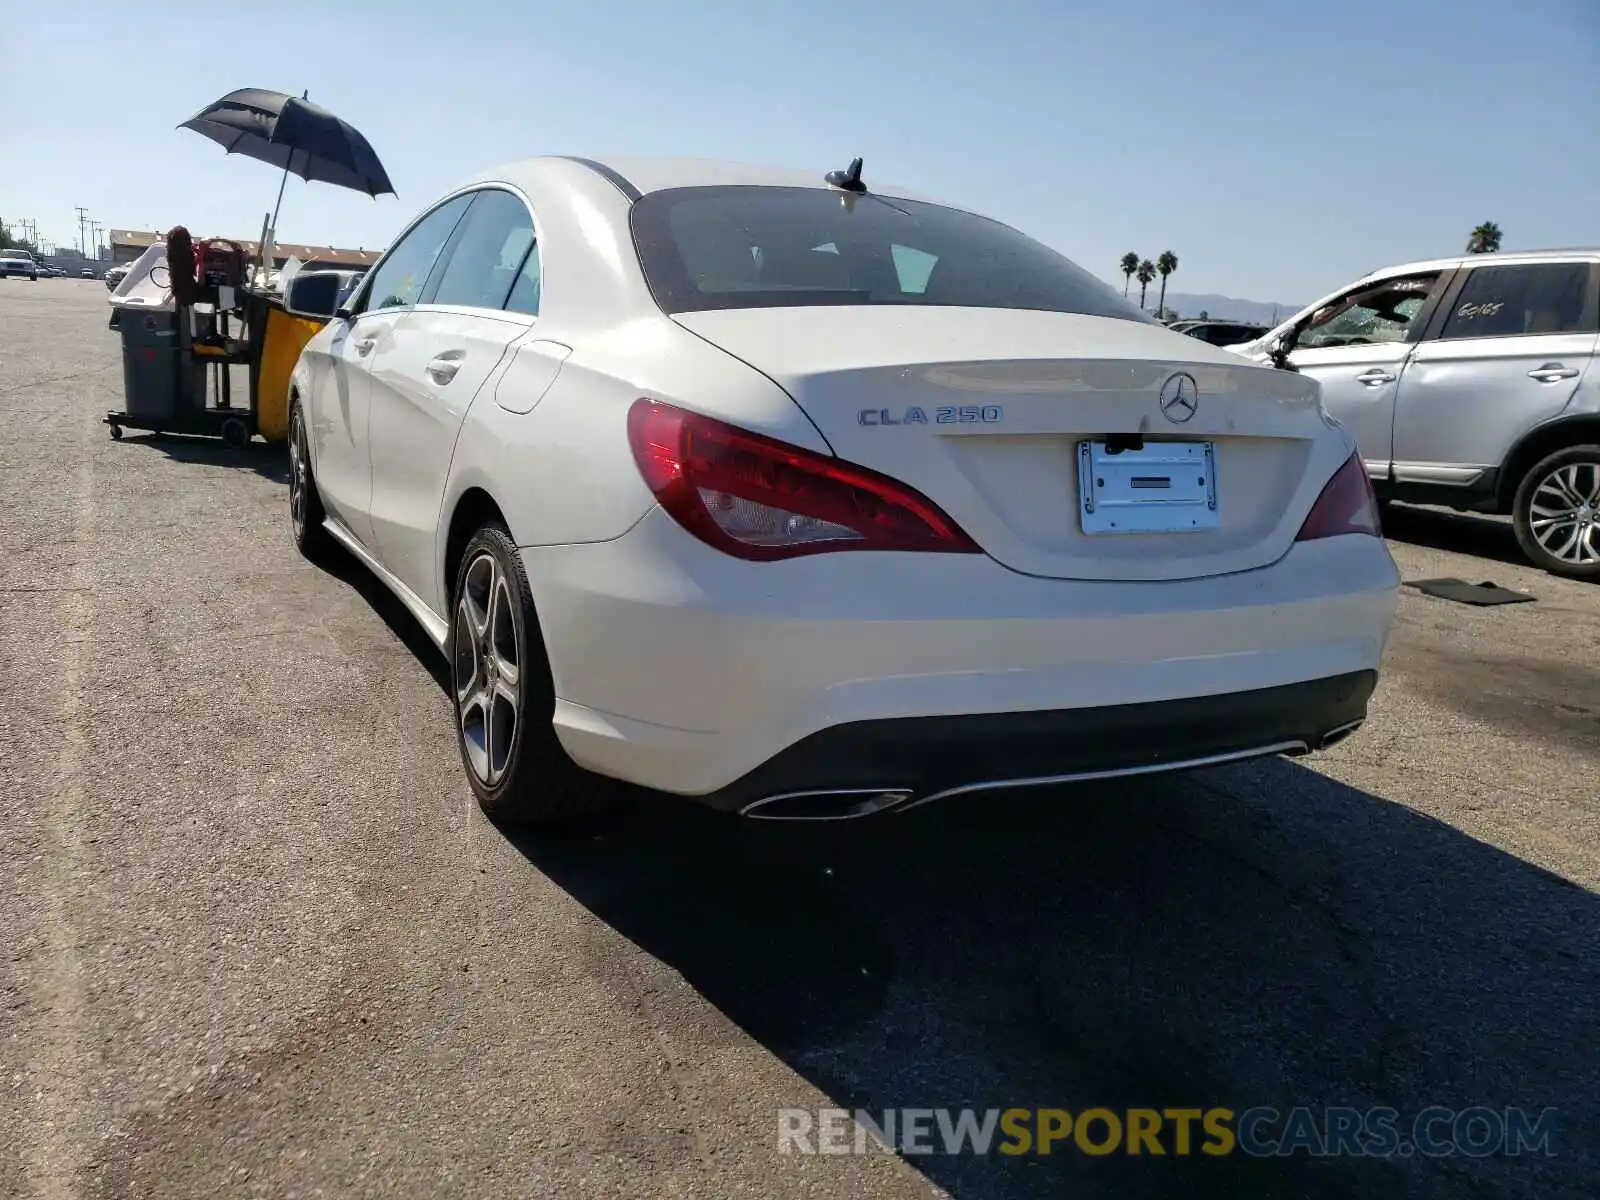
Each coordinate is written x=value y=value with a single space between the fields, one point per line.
x=314 y=294
x=1278 y=351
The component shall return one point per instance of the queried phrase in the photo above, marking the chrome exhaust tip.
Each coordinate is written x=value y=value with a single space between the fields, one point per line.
x=1338 y=734
x=826 y=804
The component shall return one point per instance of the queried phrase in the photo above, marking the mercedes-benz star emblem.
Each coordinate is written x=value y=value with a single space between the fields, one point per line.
x=1180 y=397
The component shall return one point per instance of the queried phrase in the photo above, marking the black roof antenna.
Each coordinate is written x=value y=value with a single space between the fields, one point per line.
x=849 y=179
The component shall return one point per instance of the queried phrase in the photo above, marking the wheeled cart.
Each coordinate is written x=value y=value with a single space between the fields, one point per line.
x=167 y=355
x=169 y=350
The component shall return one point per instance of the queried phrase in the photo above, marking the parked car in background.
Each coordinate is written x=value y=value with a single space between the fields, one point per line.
x=86 y=273
x=1220 y=333
x=1470 y=382
x=811 y=500
x=18 y=264
x=114 y=276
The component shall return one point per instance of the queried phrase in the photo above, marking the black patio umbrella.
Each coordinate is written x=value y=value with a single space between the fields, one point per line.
x=291 y=132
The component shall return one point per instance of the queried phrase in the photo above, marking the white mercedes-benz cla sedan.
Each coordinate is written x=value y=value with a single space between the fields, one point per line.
x=809 y=498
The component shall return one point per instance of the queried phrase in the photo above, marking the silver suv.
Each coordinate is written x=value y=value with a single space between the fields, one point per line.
x=1469 y=382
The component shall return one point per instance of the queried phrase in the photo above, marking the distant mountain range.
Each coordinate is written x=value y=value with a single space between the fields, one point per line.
x=1224 y=308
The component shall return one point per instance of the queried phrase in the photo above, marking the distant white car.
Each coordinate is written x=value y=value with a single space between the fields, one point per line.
x=812 y=501
x=18 y=264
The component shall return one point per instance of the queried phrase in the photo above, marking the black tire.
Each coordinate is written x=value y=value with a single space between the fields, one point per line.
x=306 y=513
x=1586 y=459
x=235 y=434
x=525 y=777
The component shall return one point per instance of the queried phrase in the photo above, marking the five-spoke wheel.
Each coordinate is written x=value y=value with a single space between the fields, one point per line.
x=488 y=668
x=504 y=697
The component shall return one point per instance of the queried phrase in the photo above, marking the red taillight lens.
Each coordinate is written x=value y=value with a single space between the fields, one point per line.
x=758 y=498
x=1347 y=505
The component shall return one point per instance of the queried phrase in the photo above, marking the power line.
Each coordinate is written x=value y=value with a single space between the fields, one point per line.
x=83 y=233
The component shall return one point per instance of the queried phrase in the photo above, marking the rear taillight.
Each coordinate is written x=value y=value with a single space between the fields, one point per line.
x=1347 y=505
x=757 y=498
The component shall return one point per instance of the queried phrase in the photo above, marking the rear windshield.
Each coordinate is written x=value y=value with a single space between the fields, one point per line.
x=777 y=247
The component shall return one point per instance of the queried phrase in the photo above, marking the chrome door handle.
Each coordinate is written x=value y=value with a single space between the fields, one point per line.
x=364 y=346
x=1552 y=373
x=1374 y=377
x=443 y=369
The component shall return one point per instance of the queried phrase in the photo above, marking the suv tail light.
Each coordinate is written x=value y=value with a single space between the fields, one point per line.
x=1347 y=505
x=758 y=498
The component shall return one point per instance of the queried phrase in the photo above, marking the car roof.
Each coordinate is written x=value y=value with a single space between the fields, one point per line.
x=1581 y=254
x=645 y=174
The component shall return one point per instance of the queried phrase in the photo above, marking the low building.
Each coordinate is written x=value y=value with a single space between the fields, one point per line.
x=128 y=244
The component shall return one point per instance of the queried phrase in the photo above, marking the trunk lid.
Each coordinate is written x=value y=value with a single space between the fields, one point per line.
x=984 y=411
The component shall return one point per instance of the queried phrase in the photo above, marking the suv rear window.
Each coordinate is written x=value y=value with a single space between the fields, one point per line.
x=1529 y=298
x=780 y=247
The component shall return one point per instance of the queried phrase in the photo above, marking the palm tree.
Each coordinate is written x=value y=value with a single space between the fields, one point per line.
x=1145 y=273
x=1130 y=264
x=1485 y=239
x=1165 y=265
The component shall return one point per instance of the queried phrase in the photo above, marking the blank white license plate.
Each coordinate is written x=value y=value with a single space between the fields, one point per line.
x=1166 y=487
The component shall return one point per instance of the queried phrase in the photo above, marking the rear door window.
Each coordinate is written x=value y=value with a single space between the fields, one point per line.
x=486 y=253
x=526 y=291
x=1509 y=301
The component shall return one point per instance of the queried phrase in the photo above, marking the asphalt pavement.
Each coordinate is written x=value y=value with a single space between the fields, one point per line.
x=261 y=943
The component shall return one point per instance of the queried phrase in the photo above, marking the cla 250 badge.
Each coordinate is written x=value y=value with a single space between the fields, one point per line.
x=990 y=414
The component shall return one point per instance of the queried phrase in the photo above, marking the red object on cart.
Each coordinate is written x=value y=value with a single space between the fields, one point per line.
x=219 y=263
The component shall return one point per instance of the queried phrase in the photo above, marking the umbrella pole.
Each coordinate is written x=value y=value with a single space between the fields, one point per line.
x=279 y=202
x=304 y=95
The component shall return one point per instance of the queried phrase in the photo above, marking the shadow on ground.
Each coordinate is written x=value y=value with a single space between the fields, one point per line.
x=1460 y=533
x=395 y=615
x=269 y=460
x=1256 y=936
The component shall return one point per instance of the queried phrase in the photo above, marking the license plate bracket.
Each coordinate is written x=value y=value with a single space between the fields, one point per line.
x=1162 y=487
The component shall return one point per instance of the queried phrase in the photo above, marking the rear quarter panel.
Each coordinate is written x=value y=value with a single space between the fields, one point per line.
x=563 y=472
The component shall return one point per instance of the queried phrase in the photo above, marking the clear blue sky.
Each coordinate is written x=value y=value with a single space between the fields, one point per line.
x=1278 y=148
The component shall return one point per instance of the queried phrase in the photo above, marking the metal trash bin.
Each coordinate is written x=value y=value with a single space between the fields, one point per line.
x=159 y=381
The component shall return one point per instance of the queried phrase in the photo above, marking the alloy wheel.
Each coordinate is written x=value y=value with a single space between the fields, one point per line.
x=488 y=669
x=298 y=482
x=1564 y=514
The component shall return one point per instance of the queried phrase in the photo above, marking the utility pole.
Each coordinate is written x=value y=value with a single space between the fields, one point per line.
x=97 y=228
x=83 y=232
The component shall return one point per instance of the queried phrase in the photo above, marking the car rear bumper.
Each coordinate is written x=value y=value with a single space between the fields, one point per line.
x=900 y=763
x=685 y=670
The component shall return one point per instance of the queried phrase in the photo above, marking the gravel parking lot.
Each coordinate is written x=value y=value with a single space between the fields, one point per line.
x=261 y=943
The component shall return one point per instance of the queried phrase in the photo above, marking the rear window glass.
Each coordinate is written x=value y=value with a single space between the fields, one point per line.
x=1532 y=298
x=776 y=247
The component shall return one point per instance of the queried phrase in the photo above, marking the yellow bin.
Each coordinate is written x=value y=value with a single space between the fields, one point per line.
x=281 y=344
